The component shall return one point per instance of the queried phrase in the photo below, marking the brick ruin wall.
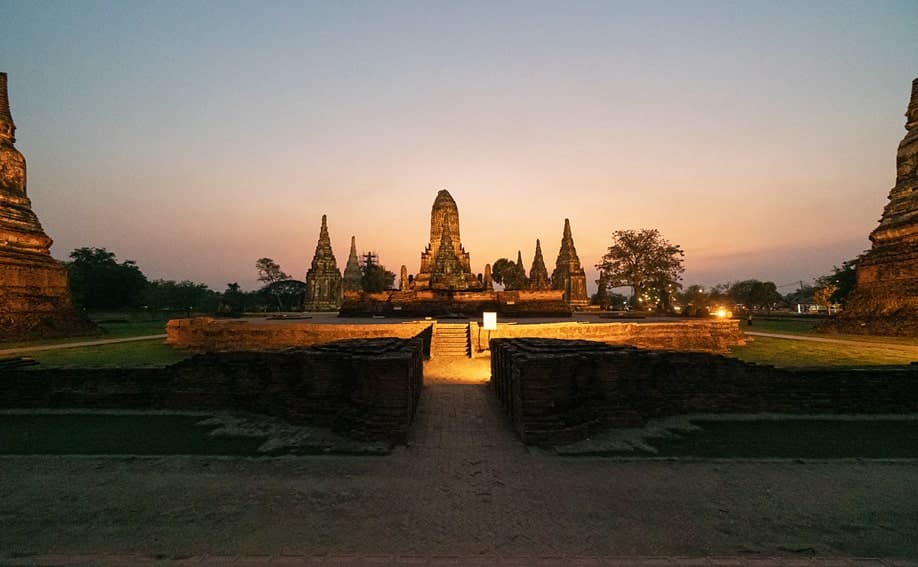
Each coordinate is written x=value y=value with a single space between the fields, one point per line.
x=716 y=336
x=558 y=392
x=206 y=334
x=364 y=389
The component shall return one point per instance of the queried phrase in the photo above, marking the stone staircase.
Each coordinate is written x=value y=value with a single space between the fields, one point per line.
x=451 y=340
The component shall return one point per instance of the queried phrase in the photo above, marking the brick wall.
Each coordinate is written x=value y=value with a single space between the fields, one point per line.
x=206 y=334
x=708 y=335
x=559 y=392
x=365 y=389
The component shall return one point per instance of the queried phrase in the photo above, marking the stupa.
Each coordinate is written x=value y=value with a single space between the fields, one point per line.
x=538 y=273
x=446 y=286
x=885 y=299
x=34 y=297
x=323 y=279
x=352 y=275
x=568 y=275
x=445 y=251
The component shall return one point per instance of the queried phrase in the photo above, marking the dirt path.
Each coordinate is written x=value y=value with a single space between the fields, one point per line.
x=24 y=350
x=464 y=488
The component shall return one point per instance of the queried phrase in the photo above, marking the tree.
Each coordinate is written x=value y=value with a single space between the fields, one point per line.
x=647 y=263
x=168 y=295
x=823 y=296
x=512 y=275
x=287 y=295
x=843 y=279
x=695 y=301
x=374 y=277
x=269 y=271
x=755 y=295
x=99 y=281
x=232 y=302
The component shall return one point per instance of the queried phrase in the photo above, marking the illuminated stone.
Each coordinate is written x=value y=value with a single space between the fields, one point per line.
x=885 y=299
x=569 y=276
x=323 y=279
x=444 y=228
x=34 y=296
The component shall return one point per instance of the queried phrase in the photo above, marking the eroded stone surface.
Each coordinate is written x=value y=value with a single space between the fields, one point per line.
x=568 y=275
x=437 y=257
x=885 y=300
x=323 y=279
x=352 y=276
x=34 y=296
x=538 y=273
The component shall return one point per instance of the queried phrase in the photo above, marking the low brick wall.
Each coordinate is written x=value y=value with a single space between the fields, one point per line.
x=558 y=392
x=206 y=334
x=709 y=335
x=364 y=389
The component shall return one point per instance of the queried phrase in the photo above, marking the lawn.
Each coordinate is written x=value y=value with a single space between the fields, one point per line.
x=153 y=352
x=807 y=326
x=117 y=434
x=789 y=352
x=793 y=438
x=110 y=329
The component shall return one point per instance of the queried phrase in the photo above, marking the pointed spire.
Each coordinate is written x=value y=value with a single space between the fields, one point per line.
x=538 y=273
x=911 y=113
x=519 y=259
x=569 y=275
x=488 y=279
x=7 y=126
x=352 y=275
x=323 y=278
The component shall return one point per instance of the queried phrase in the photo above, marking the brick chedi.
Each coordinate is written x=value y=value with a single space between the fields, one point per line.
x=323 y=279
x=444 y=218
x=885 y=299
x=34 y=296
x=538 y=273
x=352 y=275
x=447 y=271
x=569 y=276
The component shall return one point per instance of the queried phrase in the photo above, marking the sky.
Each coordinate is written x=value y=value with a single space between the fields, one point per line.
x=195 y=137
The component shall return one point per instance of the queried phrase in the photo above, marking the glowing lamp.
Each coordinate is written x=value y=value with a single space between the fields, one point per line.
x=489 y=320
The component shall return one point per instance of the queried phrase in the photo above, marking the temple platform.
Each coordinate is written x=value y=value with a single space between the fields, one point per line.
x=206 y=334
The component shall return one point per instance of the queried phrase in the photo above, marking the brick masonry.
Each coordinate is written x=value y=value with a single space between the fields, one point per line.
x=365 y=389
x=559 y=392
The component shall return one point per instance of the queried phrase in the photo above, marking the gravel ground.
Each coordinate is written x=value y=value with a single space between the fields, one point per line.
x=463 y=486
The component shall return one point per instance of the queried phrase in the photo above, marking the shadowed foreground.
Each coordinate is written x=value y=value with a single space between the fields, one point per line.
x=464 y=486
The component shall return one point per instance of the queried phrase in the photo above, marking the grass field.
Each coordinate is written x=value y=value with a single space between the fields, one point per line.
x=805 y=326
x=789 y=352
x=794 y=438
x=117 y=434
x=140 y=353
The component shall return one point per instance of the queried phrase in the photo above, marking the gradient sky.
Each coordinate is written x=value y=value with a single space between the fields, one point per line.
x=196 y=137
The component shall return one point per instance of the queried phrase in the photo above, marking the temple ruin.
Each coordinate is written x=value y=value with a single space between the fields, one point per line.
x=446 y=285
x=885 y=299
x=538 y=273
x=352 y=275
x=34 y=296
x=444 y=263
x=568 y=275
x=323 y=279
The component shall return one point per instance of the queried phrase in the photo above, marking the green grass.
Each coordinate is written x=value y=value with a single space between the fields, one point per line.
x=789 y=352
x=141 y=353
x=111 y=329
x=794 y=438
x=807 y=326
x=117 y=434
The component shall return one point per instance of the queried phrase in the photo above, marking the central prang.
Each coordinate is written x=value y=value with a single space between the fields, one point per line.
x=444 y=263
